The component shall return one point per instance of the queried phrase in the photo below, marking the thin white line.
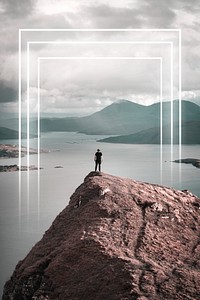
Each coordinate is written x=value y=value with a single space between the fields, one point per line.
x=161 y=120
x=20 y=199
x=171 y=121
x=180 y=107
x=98 y=58
x=28 y=196
x=28 y=108
x=38 y=201
x=172 y=104
x=98 y=42
x=100 y=30
x=73 y=42
x=110 y=42
x=28 y=139
x=123 y=30
x=180 y=95
x=20 y=128
x=38 y=63
x=20 y=100
x=161 y=102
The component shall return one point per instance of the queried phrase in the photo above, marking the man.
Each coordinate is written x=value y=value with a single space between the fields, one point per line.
x=98 y=160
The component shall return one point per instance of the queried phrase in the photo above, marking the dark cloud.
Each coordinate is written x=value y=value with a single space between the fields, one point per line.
x=190 y=6
x=106 y=16
x=186 y=5
x=147 y=14
x=17 y=8
x=46 y=21
x=157 y=14
x=7 y=94
x=17 y=14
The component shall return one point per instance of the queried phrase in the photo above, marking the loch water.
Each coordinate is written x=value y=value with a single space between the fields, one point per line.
x=30 y=201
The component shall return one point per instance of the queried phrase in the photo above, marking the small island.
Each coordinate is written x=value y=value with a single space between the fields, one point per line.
x=194 y=161
x=14 y=168
x=12 y=151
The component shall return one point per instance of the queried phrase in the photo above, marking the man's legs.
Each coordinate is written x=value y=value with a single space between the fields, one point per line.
x=97 y=164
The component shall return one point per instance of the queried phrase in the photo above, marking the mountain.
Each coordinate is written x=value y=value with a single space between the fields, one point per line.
x=117 y=239
x=190 y=135
x=189 y=111
x=120 y=118
x=117 y=118
x=10 y=134
x=124 y=117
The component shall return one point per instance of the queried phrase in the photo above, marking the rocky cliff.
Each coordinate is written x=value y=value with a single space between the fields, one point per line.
x=118 y=239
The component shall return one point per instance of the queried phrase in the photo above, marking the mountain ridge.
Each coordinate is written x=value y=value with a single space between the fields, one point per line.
x=121 y=118
x=7 y=133
x=189 y=135
x=128 y=117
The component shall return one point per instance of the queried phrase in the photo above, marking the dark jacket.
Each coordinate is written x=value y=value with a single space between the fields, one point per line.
x=98 y=156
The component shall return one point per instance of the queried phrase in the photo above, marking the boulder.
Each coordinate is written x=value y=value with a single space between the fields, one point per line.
x=118 y=239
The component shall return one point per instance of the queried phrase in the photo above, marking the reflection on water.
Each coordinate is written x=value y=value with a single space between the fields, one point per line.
x=25 y=219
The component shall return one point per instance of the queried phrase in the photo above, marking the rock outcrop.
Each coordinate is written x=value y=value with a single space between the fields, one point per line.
x=118 y=239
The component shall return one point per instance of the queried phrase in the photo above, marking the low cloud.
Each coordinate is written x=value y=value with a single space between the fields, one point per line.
x=106 y=16
x=17 y=9
x=68 y=86
x=157 y=15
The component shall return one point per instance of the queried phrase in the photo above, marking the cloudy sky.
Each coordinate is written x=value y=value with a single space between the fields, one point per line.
x=71 y=84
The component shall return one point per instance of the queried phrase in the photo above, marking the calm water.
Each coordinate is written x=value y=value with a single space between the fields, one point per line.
x=24 y=219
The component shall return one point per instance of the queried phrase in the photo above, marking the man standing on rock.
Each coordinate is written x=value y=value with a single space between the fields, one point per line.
x=98 y=160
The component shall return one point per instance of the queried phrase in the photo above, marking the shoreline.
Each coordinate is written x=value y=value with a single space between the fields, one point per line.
x=15 y=168
x=12 y=151
x=193 y=161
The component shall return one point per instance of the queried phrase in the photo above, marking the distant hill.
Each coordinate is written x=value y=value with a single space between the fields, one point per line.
x=117 y=118
x=120 y=118
x=189 y=111
x=6 y=133
x=10 y=134
x=190 y=135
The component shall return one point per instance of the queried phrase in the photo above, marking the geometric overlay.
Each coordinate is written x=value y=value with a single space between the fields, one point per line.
x=40 y=59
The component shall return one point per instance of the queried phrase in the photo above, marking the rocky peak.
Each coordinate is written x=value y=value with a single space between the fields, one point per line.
x=118 y=239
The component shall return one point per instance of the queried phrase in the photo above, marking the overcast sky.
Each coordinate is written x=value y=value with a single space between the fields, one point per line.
x=81 y=86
